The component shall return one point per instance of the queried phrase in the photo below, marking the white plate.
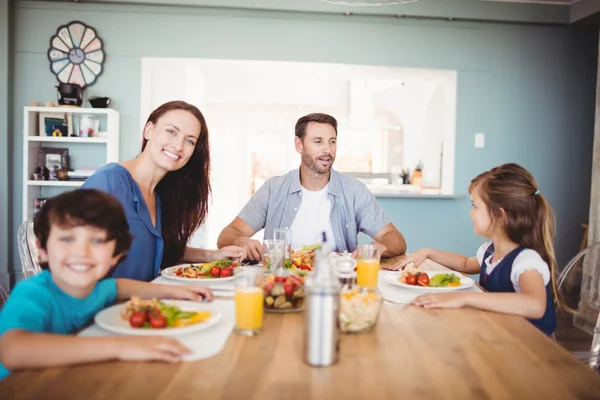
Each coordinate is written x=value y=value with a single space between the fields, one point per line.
x=111 y=320
x=170 y=273
x=465 y=282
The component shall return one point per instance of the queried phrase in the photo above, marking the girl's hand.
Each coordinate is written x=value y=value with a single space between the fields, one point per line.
x=194 y=293
x=416 y=258
x=229 y=253
x=441 y=300
x=146 y=348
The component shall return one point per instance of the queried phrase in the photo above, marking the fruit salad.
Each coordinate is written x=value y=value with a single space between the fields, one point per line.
x=284 y=293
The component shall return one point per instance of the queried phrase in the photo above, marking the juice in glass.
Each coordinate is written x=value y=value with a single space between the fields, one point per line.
x=248 y=310
x=367 y=265
x=367 y=272
x=248 y=300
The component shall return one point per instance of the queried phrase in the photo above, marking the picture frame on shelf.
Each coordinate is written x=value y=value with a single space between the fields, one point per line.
x=54 y=159
x=55 y=124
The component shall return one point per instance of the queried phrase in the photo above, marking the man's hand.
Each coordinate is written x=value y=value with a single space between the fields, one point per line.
x=253 y=248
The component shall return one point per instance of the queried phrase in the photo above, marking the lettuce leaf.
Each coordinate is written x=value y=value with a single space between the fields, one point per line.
x=441 y=280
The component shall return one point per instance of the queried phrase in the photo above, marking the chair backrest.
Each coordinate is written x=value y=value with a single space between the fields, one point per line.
x=579 y=287
x=28 y=251
x=3 y=296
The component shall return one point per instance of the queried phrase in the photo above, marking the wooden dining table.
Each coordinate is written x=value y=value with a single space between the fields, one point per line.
x=412 y=353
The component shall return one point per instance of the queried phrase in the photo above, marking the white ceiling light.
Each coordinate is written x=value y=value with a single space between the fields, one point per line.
x=368 y=2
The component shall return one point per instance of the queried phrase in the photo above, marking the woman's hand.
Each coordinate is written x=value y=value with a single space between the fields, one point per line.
x=229 y=253
x=194 y=293
x=441 y=300
x=146 y=348
x=416 y=258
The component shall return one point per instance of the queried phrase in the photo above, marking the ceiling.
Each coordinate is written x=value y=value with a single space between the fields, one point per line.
x=561 y=12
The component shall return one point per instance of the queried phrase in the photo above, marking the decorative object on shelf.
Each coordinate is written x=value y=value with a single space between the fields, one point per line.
x=50 y=104
x=41 y=173
x=50 y=123
x=38 y=203
x=70 y=94
x=88 y=126
x=34 y=104
x=53 y=159
x=62 y=174
x=368 y=2
x=417 y=176
x=99 y=102
x=76 y=54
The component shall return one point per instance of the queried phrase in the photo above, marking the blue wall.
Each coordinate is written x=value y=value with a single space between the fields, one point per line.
x=530 y=89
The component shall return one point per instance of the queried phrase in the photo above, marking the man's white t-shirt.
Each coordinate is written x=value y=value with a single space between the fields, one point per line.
x=312 y=217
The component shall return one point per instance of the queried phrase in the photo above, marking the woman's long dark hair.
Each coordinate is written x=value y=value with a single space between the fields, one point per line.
x=184 y=193
x=528 y=219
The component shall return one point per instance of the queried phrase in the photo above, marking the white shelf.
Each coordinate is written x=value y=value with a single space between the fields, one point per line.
x=72 y=110
x=85 y=152
x=54 y=139
x=55 y=183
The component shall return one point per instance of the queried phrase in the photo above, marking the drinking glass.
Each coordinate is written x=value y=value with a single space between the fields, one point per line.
x=367 y=266
x=272 y=253
x=248 y=301
x=286 y=236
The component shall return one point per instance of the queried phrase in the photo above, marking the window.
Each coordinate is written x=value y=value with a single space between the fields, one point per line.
x=390 y=120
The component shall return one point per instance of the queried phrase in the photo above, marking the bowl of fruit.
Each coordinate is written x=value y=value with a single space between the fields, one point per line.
x=284 y=293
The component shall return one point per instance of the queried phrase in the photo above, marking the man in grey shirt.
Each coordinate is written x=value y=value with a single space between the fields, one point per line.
x=313 y=199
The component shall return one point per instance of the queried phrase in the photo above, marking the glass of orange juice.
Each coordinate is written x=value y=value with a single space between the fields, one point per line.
x=367 y=265
x=249 y=300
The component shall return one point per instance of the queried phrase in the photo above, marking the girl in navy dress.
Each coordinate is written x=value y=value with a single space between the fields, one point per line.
x=517 y=267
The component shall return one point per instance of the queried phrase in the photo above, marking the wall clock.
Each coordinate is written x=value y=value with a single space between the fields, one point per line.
x=76 y=54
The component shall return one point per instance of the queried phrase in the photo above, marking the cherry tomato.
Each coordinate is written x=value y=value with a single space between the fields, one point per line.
x=158 y=321
x=225 y=272
x=288 y=288
x=423 y=280
x=215 y=271
x=268 y=286
x=178 y=272
x=296 y=280
x=137 y=319
x=234 y=265
x=279 y=278
x=411 y=280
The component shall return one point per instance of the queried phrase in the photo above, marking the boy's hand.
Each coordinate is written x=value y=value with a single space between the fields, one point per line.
x=146 y=348
x=194 y=293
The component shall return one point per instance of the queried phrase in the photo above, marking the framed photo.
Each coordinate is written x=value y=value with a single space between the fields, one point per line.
x=55 y=124
x=54 y=159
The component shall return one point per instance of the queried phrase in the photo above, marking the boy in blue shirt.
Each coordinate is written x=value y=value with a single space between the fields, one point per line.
x=81 y=234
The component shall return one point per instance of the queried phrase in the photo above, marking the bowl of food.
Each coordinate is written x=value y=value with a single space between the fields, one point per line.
x=359 y=309
x=284 y=293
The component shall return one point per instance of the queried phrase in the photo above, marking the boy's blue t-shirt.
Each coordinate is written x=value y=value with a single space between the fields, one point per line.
x=38 y=305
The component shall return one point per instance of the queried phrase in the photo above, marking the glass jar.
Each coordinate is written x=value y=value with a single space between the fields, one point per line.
x=359 y=309
x=284 y=288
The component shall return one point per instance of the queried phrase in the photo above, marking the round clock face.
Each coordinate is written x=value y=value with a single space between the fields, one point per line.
x=76 y=54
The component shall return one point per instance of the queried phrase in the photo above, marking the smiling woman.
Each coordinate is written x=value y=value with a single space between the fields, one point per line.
x=164 y=192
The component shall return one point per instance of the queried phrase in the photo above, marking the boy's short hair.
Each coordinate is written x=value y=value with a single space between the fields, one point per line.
x=84 y=207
